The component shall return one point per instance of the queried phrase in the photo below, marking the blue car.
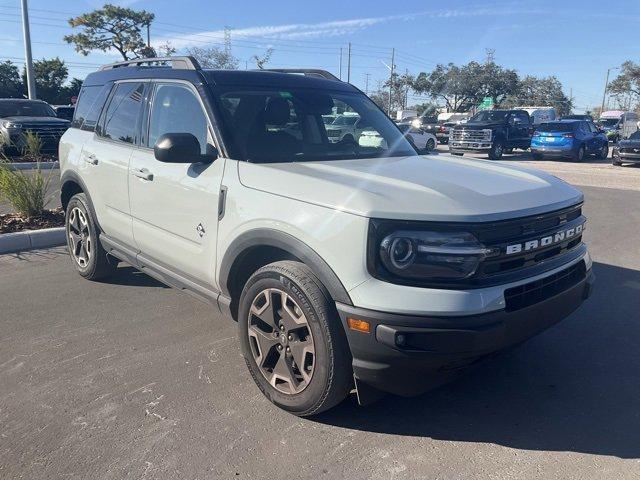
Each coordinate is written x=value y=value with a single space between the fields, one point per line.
x=569 y=139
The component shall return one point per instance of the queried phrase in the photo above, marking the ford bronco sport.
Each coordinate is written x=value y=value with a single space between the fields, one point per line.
x=344 y=265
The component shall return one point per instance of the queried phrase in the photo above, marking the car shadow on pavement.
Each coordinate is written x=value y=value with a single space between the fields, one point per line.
x=129 y=276
x=574 y=388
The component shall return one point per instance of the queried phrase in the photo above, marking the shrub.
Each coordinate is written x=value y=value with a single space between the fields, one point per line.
x=25 y=191
x=32 y=144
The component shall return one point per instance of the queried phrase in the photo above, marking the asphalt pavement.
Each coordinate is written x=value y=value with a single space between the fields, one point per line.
x=131 y=379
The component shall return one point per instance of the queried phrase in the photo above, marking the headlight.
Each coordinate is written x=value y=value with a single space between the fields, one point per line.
x=432 y=255
x=11 y=125
x=416 y=123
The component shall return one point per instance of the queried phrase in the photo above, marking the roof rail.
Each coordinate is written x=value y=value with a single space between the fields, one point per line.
x=309 y=72
x=177 y=63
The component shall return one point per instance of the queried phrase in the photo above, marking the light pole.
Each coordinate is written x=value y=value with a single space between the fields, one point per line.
x=606 y=86
x=31 y=79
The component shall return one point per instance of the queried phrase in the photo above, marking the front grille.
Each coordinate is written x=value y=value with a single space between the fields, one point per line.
x=537 y=291
x=465 y=135
x=45 y=132
x=630 y=150
x=333 y=133
x=502 y=235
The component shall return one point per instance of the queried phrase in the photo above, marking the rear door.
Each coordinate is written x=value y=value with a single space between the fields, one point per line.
x=175 y=205
x=519 y=130
x=105 y=159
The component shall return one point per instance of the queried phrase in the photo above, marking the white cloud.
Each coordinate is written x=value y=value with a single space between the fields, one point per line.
x=334 y=28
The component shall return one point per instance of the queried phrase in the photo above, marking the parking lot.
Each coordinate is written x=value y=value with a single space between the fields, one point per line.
x=131 y=379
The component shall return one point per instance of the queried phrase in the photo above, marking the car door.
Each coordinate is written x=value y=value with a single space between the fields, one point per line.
x=105 y=165
x=591 y=131
x=520 y=126
x=174 y=206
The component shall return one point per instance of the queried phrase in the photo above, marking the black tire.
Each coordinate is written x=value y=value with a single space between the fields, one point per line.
x=508 y=151
x=579 y=155
x=497 y=149
x=444 y=141
x=96 y=264
x=616 y=163
x=431 y=145
x=331 y=373
x=603 y=152
x=457 y=154
x=537 y=156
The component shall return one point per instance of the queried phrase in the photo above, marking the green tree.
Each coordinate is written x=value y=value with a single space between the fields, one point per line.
x=498 y=82
x=627 y=84
x=214 y=57
x=458 y=87
x=10 y=83
x=50 y=77
x=541 y=92
x=112 y=27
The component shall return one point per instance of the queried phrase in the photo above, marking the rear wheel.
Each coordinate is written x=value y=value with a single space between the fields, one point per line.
x=457 y=154
x=537 y=156
x=497 y=149
x=89 y=258
x=616 y=162
x=579 y=155
x=292 y=339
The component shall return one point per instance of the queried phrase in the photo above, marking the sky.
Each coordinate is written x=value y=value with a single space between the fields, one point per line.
x=575 y=40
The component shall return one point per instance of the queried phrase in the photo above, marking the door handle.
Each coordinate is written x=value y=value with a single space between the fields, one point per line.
x=91 y=159
x=143 y=173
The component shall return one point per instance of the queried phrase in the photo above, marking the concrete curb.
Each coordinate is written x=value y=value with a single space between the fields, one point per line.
x=33 y=165
x=32 y=239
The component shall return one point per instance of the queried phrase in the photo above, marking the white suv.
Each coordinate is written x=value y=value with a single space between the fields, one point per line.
x=344 y=265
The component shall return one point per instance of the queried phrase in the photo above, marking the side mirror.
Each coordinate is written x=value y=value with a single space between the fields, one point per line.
x=180 y=148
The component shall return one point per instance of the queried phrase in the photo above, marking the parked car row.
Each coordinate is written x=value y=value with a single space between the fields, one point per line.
x=496 y=132
x=20 y=116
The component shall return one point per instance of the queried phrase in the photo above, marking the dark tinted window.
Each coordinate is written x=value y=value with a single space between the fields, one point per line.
x=176 y=109
x=121 y=118
x=89 y=106
x=25 y=109
x=557 y=127
x=489 y=116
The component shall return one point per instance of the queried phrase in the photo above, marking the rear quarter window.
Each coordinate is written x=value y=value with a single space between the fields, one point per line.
x=89 y=106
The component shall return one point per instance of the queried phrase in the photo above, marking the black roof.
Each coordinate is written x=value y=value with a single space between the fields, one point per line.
x=217 y=77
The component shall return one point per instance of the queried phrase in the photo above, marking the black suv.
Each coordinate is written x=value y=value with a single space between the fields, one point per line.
x=492 y=131
x=19 y=116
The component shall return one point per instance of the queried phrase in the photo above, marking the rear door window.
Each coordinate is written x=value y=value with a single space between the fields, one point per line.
x=89 y=106
x=120 y=121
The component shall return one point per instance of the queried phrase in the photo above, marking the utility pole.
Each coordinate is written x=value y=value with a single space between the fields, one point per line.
x=149 y=35
x=349 y=65
x=393 y=59
x=340 y=71
x=366 y=84
x=31 y=79
x=606 y=86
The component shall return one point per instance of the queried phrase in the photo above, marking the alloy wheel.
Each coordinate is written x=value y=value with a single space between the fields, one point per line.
x=281 y=342
x=79 y=237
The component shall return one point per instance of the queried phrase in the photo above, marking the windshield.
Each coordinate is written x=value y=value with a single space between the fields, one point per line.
x=608 y=122
x=287 y=125
x=25 y=109
x=557 y=127
x=488 y=116
x=346 y=120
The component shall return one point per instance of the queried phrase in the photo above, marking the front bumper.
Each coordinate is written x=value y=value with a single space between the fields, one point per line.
x=627 y=157
x=407 y=355
x=466 y=146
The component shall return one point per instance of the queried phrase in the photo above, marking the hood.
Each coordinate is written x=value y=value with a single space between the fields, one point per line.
x=477 y=125
x=629 y=143
x=42 y=120
x=437 y=188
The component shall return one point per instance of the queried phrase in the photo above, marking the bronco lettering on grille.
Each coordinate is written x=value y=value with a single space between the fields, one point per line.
x=544 y=241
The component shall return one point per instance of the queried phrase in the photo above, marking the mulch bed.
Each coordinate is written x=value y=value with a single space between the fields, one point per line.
x=28 y=158
x=14 y=222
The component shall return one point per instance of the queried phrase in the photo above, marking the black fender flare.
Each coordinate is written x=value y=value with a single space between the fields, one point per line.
x=284 y=241
x=72 y=177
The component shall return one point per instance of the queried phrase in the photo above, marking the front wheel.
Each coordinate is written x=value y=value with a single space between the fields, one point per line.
x=579 y=155
x=292 y=339
x=497 y=149
x=603 y=152
x=431 y=145
x=537 y=156
x=89 y=258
